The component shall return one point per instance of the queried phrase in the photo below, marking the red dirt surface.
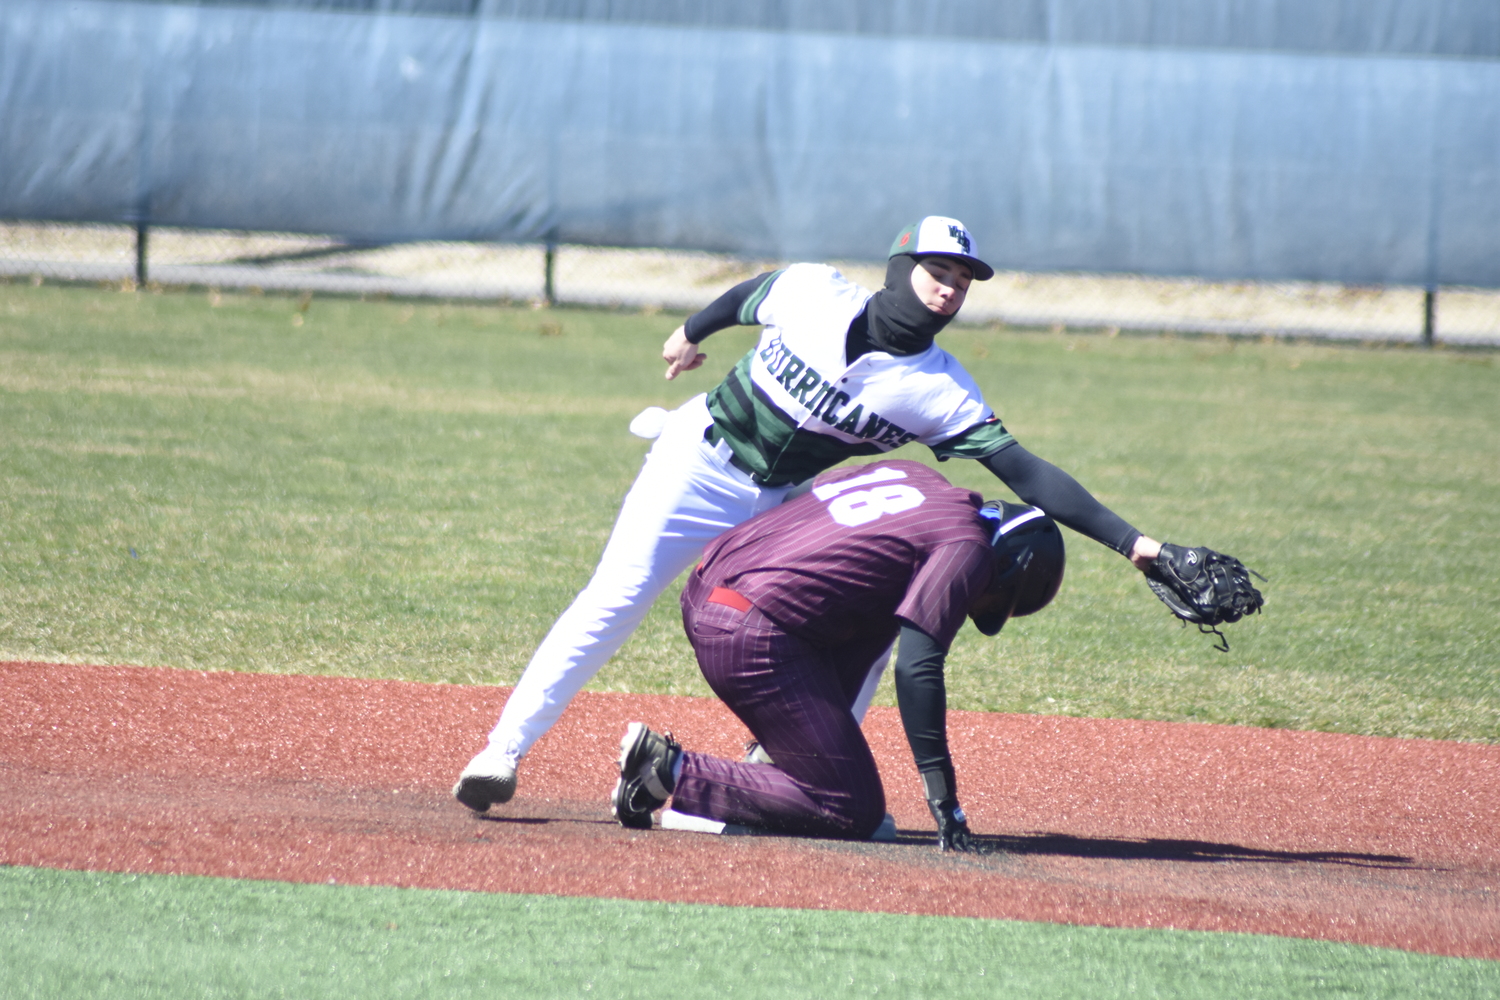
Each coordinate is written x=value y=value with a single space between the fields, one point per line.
x=1115 y=823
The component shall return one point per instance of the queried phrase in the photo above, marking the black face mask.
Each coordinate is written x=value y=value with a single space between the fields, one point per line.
x=899 y=322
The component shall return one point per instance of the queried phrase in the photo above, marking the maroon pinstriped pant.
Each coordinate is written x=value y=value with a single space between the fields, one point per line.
x=794 y=698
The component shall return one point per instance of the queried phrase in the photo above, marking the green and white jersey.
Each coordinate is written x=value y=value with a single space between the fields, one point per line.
x=794 y=406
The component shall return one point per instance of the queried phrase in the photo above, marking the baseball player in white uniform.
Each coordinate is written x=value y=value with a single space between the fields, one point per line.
x=838 y=372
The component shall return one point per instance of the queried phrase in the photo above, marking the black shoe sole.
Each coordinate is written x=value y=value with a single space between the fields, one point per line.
x=479 y=793
x=619 y=805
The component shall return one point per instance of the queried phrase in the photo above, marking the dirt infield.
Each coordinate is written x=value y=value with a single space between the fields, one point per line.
x=1116 y=823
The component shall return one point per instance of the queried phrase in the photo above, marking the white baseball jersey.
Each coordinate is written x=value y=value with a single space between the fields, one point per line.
x=795 y=406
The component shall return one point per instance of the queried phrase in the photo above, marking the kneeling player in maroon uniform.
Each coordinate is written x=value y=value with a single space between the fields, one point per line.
x=786 y=613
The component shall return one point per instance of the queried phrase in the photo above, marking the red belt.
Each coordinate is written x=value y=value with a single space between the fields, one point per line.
x=729 y=598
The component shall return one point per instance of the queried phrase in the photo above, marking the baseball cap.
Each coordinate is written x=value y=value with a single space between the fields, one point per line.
x=940 y=234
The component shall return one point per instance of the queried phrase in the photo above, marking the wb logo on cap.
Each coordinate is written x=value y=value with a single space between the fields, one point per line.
x=962 y=237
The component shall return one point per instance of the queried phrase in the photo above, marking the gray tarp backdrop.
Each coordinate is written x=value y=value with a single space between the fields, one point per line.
x=1322 y=139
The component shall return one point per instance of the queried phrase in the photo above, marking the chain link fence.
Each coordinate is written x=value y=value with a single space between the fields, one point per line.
x=660 y=279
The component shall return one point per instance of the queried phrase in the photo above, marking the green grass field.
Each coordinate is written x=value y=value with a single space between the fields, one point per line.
x=416 y=490
x=171 y=937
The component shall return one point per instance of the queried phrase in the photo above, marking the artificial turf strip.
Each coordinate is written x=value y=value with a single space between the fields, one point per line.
x=85 y=934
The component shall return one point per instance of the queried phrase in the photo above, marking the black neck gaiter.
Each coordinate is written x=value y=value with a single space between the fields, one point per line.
x=899 y=322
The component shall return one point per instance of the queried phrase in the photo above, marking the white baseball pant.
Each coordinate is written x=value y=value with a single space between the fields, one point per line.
x=686 y=495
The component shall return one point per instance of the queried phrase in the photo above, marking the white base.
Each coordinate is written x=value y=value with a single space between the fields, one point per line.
x=671 y=819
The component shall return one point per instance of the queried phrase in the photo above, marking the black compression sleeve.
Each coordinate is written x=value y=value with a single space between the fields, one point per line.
x=1042 y=484
x=923 y=699
x=723 y=312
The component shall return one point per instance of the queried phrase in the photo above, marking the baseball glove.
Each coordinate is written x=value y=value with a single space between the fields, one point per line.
x=1204 y=587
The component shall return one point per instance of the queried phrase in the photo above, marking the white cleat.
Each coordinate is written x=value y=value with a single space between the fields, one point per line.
x=488 y=780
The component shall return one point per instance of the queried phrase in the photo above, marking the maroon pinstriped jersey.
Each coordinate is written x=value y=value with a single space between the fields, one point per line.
x=870 y=546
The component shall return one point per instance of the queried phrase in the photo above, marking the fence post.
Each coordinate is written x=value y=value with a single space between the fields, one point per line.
x=140 y=254
x=549 y=286
x=1429 y=315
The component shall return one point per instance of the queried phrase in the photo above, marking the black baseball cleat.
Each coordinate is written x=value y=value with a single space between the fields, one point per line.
x=646 y=782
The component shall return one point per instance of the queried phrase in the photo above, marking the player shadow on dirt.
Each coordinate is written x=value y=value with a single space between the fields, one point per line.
x=516 y=820
x=1169 y=850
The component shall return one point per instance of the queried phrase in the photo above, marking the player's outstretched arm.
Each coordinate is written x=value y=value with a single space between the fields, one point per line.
x=1040 y=483
x=1198 y=585
x=922 y=697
